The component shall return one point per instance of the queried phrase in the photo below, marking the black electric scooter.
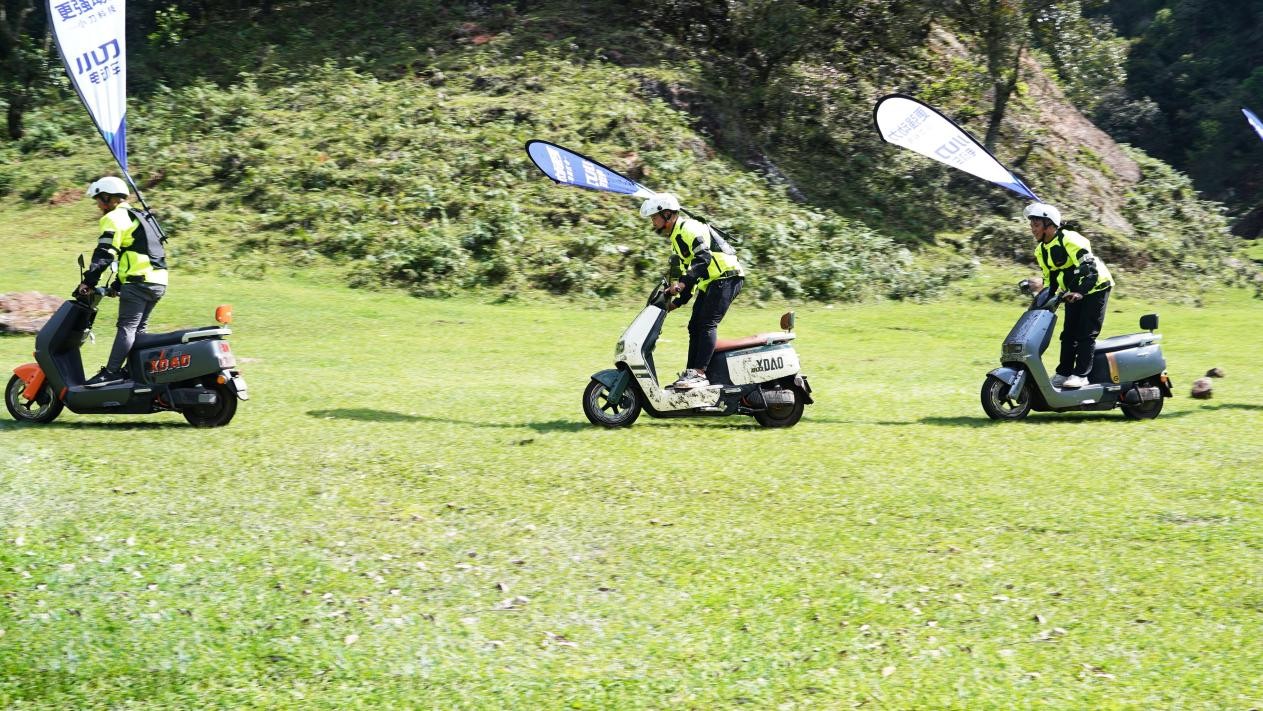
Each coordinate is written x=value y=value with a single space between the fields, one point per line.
x=192 y=372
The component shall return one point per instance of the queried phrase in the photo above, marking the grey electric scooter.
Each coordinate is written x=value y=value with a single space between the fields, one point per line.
x=1127 y=371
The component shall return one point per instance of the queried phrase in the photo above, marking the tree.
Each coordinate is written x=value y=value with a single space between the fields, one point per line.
x=26 y=58
x=1000 y=31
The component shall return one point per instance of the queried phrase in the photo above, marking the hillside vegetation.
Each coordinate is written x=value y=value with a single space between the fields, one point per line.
x=388 y=137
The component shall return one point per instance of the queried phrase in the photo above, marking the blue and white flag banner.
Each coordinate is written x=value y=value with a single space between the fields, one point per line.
x=569 y=168
x=1254 y=120
x=92 y=38
x=904 y=121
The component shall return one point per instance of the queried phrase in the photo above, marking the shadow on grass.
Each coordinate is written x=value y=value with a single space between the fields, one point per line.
x=1232 y=406
x=1040 y=418
x=95 y=425
x=364 y=414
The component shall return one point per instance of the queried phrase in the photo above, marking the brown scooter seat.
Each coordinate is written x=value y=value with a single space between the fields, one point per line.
x=763 y=339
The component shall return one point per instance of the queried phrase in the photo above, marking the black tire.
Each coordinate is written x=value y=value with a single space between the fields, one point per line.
x=216 y=415
x=996 y=402
x=43 y=409
x=1143 y=411
x=783 y=415
x=602 y=412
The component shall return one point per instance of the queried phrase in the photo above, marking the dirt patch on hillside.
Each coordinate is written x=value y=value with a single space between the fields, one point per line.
x=1092 y=173
x=1102 y=173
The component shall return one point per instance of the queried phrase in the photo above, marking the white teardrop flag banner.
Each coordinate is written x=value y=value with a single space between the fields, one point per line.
x=91 y=36
x=1254 y=121
x=904 y=121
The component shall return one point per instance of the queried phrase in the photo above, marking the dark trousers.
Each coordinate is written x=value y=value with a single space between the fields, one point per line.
x=135 y=303
x=708 y=311
x=1078 y=336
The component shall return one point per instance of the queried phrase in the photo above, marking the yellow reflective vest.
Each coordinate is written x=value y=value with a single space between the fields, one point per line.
x=135 y=265
x=704 y=255
x=1060 y=257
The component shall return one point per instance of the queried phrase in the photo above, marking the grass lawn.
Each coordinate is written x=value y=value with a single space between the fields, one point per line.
x=413 y=512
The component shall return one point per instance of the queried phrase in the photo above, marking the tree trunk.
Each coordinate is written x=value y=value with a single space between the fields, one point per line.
x=14 y=116
x=1004 y=88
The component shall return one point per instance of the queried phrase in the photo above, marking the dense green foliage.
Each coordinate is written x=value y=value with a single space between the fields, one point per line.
x=388 y=137
x=1193 y=66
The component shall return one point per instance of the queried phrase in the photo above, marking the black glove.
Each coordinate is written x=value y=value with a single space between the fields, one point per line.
x=115 y=288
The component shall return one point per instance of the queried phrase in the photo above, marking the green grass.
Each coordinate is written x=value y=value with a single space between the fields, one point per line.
x=412 y=512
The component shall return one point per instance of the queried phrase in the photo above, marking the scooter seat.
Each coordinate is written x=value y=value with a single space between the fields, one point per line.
x=763 y=339
x=1119 y=343
x=154 y=340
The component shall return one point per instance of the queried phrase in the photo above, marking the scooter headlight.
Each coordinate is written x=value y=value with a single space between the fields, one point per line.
x=1012 y=348
x=618 y=348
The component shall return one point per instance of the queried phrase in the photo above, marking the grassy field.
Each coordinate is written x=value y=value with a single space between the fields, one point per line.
x=412 y=511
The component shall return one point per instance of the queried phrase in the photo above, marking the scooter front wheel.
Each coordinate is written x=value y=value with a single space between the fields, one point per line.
x=996 y=402
x=43 y=409
x=601 y=411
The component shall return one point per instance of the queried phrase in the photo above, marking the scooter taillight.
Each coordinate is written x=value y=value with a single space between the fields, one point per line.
x=224 y=355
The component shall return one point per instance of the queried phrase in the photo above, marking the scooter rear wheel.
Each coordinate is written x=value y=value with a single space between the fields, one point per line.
x=996 y=402
x=43 y=409
x=216 y=415
x=602 y=412
x=782 y=415
x=1144 y=411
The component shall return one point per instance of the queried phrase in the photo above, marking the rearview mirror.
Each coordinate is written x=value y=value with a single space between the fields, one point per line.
x=81 y=267
x=1149 y=322
x=787 y=321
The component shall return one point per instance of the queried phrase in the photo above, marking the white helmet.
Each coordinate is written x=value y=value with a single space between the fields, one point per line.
x=659 y=202
x=1039 y=209
x=109 y=185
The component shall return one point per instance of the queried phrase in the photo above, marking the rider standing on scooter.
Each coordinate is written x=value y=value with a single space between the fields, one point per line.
x=701 y=260
x=142 y=271
x=1066 y=258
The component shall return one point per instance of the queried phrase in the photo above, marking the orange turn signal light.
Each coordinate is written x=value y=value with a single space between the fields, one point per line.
x=223 y=313
x=221 y=380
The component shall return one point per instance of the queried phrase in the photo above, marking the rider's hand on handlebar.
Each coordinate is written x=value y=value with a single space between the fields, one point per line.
x=1071 y=296
x=675 y=288
x=83 y=291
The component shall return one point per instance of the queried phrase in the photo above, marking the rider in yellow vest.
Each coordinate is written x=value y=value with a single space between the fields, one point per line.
x=142 y=271
x=701 y=261
x=1068 y=264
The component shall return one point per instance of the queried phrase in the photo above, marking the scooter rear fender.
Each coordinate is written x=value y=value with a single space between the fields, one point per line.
x=33 y=376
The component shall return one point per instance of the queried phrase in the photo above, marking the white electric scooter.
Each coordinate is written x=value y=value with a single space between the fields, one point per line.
x=757 y=376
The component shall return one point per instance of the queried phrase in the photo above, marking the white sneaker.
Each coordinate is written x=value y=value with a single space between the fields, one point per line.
x=690 y=379
x=1074 y=382
x=1058 y=380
